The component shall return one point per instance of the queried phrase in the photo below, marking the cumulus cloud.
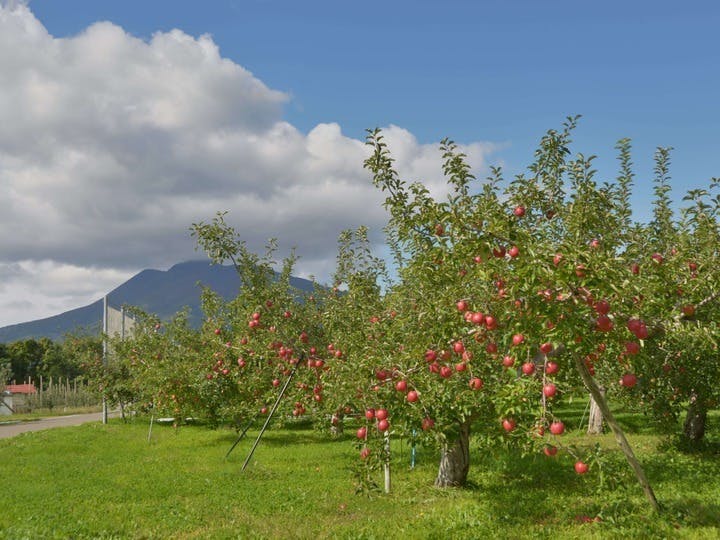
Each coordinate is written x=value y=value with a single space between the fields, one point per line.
x=111 y=146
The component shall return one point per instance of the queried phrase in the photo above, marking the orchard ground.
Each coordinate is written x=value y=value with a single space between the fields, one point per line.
x=96 y=481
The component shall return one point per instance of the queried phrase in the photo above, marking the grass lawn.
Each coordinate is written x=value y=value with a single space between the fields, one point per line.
x=98 y=481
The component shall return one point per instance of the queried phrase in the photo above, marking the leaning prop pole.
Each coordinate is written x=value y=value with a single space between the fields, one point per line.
x=618 y=432
x=272 y=412
x=240 y=438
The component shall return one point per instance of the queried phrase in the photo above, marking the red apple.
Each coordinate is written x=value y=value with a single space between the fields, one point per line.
x=602 y=307
x=635 y=269
x=528 y=368
x=364 y=453
x=514 y=251
x=412 y=396
x=632 y=347
x=688 y=310
x=445 y=372
x=462 y=305
x=603 y=323
x=362 y=433
x=401 y=385
x=508 y=424
x=383 y=425
x=550 y=450
x=476 y=383
x=580 y=467
x=628 y=380
x=519 y=211
x=427 y=423
x=517 y=339
x=370 y=414
x=551 y=368
x=499 y=252
x=430 y=355
x=508 y=361
x=557 y=428
x=549 y=390
x=381 y=414
x=459 y=347
x=546 y=348
x=557 y=259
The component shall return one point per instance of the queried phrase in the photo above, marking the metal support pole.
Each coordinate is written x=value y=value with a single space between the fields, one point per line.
x=244 y=431
x=105 y=356
x=272 y=412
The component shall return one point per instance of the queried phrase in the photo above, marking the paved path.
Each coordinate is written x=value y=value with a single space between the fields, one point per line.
x=10 y=430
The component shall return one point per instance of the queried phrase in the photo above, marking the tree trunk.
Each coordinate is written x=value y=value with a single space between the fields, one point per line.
x=694 y=428
x=455 y=460
x=337 y=425
x=595 y=421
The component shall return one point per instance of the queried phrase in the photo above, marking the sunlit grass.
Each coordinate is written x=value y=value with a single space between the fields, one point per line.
x=98 y=481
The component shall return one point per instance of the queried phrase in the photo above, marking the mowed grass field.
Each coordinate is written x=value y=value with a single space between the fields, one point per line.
x=97 y=481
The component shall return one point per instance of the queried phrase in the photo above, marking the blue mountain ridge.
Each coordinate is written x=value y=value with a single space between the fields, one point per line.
x=162 y=292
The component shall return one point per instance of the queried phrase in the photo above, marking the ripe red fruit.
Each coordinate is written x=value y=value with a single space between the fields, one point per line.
x=476 y=383
x=477 y=318
x=628 y=380
x=688 y=310
x=550 y=450
x=364 y=453
x=508 y=361
x=491 y=348
x=427 y=423
x=580 y=467
x=508 y=424
x=412 y=396
x=519 y=211
x=549 y=390
x=276 y=382
x=217 y=331
x=514 y=251
x=602 y=307
x=430 y=355
x=551 y=368
x=490 y=322
x=362 y=433
x=460 y=367
x=370 y=414
x=517 y=339
x=381 y=414
x=557 y=428
x=439 y=229
x=383 y=425
x=499 y=252
x=528 y=368
x=445 y=372
x=657 y=258
x=461 y=305
x=546 y=348
x=594 y=243
x=603 y=323
x=580 y=270
x=459 y=347
x=256 y=316
x=632 y=347
x=401 y=385
x=635 y=269
x=557 y=259
x=693 y=266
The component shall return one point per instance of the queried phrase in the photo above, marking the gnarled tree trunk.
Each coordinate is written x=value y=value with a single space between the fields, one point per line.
x=694 y=428
x=455 y=459
x=595 y=420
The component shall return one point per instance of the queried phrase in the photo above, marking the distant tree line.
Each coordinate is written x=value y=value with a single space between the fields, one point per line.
x=35 y=358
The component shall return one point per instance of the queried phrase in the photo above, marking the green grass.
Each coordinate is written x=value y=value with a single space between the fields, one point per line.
x=98 y=481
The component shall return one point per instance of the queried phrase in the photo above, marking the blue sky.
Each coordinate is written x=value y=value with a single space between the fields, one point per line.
x=125 y=122
x=502 y=71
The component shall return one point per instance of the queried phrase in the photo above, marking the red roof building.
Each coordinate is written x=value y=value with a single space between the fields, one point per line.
x=21 y=388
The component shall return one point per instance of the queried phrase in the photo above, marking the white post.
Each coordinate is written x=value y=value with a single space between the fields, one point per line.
x=105 y=359
x=387 y=462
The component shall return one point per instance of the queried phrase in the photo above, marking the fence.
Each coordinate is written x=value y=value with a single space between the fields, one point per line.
x=56 y=394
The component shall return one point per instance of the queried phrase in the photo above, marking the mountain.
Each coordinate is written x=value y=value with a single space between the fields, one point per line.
x=155 y=291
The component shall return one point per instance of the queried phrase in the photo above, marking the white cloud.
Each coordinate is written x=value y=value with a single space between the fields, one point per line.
x=111 y=146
